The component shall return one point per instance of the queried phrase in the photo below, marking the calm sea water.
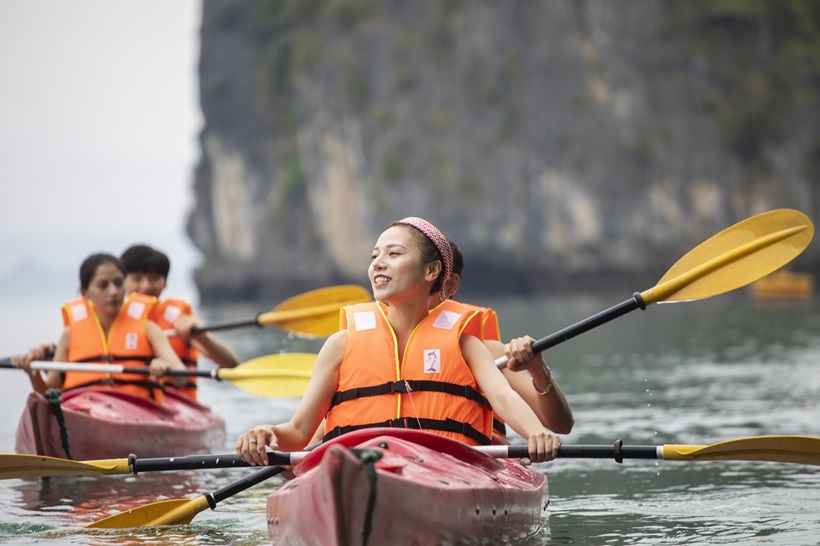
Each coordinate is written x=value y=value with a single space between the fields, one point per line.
x=694 y=373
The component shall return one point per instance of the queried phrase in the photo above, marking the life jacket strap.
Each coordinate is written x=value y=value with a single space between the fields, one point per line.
x=446 y=425
x=411 y=385
x=500 y=427
x=150 y=386
x=113 y=359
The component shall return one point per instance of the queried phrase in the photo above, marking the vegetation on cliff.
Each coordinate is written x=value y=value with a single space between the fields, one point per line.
x=556 y=141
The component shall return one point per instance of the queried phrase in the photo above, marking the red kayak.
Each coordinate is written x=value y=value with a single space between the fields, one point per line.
x=104 y=424
x=397 y=486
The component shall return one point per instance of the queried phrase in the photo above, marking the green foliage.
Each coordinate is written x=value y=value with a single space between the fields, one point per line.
x=275 y=18
x=348 y=13
x=761 y=54
x=639 y=149
x=293 y=180
x=275 y=27
x=215 y=87
x=355 y=84
x=404 y=80
x=393 y=166
x=813 y=163
x=439 y=35
x=403 y=42
x=381 y=115
x=509 y=122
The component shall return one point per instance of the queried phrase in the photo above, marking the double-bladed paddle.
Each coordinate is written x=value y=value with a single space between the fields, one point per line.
x=182 y=511
x=788 y=449
x=779 y=449
x=735 y=257
x=312 y=314
x=729 y=260
x=284 y=375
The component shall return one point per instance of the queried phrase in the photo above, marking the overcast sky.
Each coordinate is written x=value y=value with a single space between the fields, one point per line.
x=99 y=116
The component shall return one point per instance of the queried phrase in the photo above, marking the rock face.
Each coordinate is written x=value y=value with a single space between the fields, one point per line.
x=561 y=143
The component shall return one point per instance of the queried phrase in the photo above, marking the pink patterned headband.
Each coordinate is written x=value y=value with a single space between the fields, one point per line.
x=441 y=242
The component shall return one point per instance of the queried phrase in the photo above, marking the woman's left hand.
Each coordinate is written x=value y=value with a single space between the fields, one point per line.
x=520 y=356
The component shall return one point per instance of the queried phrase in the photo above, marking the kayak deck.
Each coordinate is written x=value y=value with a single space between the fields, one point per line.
x=422 y=489
x=104 y=424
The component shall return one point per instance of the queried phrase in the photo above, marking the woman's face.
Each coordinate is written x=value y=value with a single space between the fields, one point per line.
x=396 y=267
x=106 y=289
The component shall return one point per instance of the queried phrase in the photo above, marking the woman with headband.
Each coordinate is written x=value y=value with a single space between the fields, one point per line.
x=403 y=366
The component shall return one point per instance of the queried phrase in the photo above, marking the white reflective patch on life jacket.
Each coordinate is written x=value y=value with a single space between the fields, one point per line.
x=79 y=312
x=365 y=320
x=172 y=313
x=432 y=360
x=135 y=309
x=446 y=320
x=131 y=339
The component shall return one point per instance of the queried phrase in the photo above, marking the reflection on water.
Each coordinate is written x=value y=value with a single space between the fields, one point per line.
x=694 y=373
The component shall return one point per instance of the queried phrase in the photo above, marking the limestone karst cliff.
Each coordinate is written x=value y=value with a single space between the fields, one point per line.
x=558 y=142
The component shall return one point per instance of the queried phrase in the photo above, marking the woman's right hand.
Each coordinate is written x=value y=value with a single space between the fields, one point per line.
x=543 y=446
x=252 y=446
x=43 y=352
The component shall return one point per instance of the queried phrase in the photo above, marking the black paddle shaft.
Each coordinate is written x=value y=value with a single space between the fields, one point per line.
x=227 y=325
x=199 y=462
x=240 y=485
x=617 y=451
x=588 y=324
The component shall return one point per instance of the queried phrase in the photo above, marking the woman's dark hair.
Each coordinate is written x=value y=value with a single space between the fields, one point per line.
x=429 y=252
x=458 y=259
x=144 y=259
x=90 y=265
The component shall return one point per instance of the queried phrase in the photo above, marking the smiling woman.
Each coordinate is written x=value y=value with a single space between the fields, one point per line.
x=99 y=114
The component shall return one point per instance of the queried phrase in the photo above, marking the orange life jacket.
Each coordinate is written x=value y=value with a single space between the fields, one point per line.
x=126 y=344
x=485 y=327
x=165 y=314
x=430 y=388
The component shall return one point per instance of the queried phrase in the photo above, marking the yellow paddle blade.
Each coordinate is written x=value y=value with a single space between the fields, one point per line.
x=315 y=313
x=735 y=257
x=778 y=449
x=273 y=376
x=170 y=512
x=36 y=466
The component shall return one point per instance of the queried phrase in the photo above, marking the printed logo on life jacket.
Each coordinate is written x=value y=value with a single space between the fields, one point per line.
x=131 y=339
x=172 y=313
x=432 y=361
x=135 y=309
x=446 y=320
x=365 y=320
x=79 y=312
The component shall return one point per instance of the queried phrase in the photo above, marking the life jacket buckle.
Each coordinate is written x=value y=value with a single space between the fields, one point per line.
x=398 y=387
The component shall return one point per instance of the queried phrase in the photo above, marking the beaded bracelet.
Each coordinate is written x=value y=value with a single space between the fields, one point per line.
x=549 y=386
